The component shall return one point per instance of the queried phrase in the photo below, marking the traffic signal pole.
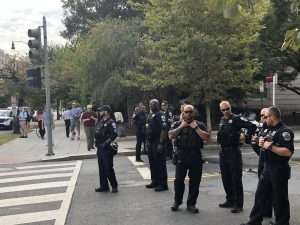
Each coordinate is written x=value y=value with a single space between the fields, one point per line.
x=48 y=94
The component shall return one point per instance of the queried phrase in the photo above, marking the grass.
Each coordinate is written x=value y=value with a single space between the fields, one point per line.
x=6 y=137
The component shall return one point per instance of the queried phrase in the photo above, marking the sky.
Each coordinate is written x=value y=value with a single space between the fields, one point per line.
x=17 y=16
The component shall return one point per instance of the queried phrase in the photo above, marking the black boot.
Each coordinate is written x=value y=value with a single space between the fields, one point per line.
x=226 y=204
x=192 y=209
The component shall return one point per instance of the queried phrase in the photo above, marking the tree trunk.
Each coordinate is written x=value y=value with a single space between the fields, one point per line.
x=208 y=116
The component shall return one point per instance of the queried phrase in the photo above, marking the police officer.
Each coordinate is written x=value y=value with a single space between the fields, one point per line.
x=105 y=134
x=279 y=147
x=155 y=133
x=168 y=116
x=189 y=135
x=139 y=117
x=262 y=131
x=231 y=157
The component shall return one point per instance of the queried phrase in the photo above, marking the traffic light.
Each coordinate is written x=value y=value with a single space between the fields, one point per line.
x=34 y=77
x=35 y=46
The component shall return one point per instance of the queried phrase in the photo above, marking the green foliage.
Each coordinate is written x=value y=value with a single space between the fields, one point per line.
x=81 y=15
x=91 y=70
x=190 y=46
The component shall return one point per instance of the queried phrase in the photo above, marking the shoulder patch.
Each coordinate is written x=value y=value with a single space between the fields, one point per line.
x=286 y=136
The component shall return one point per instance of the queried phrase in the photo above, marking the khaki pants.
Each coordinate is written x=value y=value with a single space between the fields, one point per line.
x=23 y=126
x=90 y=136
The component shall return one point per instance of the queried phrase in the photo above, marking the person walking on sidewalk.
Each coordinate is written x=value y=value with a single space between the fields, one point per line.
x=67 y=118
x=23 y=117
x=89 y=119
x=75 y=120
x=279 y=148
x=105 y=134
x=41 y=124
x=189 y=135
x=231 y=157
x=155 y=133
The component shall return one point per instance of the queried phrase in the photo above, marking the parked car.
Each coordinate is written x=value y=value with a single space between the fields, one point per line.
x=6 y=118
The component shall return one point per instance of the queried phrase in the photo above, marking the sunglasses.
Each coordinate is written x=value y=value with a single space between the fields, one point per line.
x=224 y=110
x=188 y=111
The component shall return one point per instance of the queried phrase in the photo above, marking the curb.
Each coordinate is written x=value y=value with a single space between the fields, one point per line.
x=81 y=156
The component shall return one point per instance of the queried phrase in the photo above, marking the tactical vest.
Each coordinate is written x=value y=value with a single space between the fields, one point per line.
x=228 y=135
x=188 y=140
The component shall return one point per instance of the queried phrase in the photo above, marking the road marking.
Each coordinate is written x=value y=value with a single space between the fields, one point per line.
x=62 y=215
x=144 y=172
x=28 y=217
x=30 y=187
x=65 y=198
x=35 y=177
x=36 y=171
x=135 y=163
x=31 y=200
x=44 y=166
x=217 y=156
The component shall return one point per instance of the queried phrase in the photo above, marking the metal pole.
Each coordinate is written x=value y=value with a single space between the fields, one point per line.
x=274 y=88
x=48 y=96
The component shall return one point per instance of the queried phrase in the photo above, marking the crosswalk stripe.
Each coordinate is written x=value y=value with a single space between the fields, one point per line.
x=34 y=186
x=144 y=172
x=36 y=171
x=135 y=163
x=35 y=177
x=61 y=217
x=28 y=217
x=44 y=166
x=31 y=200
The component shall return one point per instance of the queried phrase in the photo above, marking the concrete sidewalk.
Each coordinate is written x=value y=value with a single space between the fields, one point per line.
x=34 y=149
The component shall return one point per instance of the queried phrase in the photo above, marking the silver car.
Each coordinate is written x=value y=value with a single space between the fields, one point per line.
x=6 y=119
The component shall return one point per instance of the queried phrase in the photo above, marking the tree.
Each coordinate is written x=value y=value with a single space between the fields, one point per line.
x=79 y=16
x=191 y=46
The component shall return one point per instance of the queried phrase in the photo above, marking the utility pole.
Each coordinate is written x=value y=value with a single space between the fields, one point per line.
x=38 y=55
x=48 y=94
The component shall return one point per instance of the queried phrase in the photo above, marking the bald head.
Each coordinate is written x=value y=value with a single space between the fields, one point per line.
x=225 y=108
x=188 y=108
x=225 y=104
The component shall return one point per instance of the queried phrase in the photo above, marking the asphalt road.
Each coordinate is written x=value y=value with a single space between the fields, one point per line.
x=136 y=205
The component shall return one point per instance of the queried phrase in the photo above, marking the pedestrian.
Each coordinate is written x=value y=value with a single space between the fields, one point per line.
x=230 y=156
x=278 y=146
x=139 y=118
x=189 y=135
x=41 y=124
x=167 y=113
x=105 y=134
x=23 y=117
x=67 y=118
x=155 y=128
x=262 y=131
x=75 y=120
x=89 y=119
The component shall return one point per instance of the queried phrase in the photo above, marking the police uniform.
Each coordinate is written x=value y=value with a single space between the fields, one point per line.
x=169 y=118
x=105 y=133
x=188 y=157
x=231 y=157
x=275 y=176
x=155 y=125
x=140 y=124
x=262 y=131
